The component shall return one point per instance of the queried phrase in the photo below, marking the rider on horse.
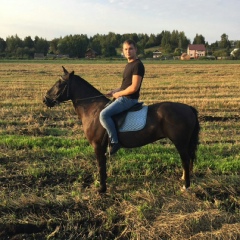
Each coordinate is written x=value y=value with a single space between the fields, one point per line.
x=126 y=96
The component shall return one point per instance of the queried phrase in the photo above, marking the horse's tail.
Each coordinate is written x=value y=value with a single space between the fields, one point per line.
x=194 y=140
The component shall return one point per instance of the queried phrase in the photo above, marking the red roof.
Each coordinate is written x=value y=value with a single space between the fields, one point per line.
x=198 y=47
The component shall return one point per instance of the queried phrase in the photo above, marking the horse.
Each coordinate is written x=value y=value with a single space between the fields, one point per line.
x=175 y=121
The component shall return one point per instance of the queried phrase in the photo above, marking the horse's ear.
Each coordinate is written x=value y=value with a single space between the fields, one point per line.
x=65 y=70
x=66 y=74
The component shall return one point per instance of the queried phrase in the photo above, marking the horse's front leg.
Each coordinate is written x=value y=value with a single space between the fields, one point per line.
x=101 y=160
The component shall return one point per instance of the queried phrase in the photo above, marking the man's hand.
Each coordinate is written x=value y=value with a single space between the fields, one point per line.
x=117 y=95
x=110 y=94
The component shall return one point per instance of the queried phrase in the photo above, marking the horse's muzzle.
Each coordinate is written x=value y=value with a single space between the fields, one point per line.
x=49 y=102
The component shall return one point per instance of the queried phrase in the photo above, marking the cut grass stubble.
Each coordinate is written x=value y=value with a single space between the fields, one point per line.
x=48 y=169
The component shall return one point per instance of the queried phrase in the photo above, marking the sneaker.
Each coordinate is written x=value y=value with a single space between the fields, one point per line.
x=114 y=148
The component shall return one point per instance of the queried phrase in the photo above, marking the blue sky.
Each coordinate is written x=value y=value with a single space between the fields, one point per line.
x=57 y=18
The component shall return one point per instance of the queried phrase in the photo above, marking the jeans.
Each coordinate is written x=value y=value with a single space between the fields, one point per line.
x=119 y=105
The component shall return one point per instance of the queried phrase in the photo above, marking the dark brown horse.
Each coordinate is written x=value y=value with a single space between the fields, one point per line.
x=176 y=121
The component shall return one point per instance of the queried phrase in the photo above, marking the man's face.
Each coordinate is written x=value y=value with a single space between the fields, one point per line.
x=129 y=51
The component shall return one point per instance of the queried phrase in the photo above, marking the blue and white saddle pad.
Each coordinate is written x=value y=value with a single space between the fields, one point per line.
x=135 y=120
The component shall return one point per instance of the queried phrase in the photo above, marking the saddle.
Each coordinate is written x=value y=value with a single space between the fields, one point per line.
x=133 y=119
x=120 y=117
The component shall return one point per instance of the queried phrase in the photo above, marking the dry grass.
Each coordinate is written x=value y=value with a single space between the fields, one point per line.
x=48 y=176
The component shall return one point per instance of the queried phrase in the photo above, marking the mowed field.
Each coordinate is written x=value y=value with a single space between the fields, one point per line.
x=48 y=171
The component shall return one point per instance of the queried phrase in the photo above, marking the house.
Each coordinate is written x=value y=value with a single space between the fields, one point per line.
x=196 y=50
x=90 y=53
x=157 y=54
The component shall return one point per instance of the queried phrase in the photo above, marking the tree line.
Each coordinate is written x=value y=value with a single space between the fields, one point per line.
x=106 y=45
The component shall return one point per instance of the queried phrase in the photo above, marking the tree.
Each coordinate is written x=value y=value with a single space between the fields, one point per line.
x=159 y=39
x=95 y=43
x=41 y=45
x=109 y=50
x=152 y=41
x=108 y=44
x=174 y=39
x=221 y=53
x=224 y=43
x=53 y=46
x=199 y=39
x=133 y=36
x=13 y=44
x=166 y=41
x=74 y=46
x=28 y=48
x=183 y=42
x=142 y=41
x=177 y=52
x=28 y=42
x=2 y=46
x=112 y=39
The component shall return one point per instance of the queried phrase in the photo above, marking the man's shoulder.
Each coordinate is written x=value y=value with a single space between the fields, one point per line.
x=137 y=62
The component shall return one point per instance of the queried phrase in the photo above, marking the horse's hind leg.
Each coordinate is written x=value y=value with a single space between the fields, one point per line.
x=190 y=170
x=186 y=164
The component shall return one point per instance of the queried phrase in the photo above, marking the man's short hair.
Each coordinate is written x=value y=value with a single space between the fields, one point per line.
x=130 y=42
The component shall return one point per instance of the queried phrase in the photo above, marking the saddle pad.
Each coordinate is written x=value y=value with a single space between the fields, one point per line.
x=135 y=121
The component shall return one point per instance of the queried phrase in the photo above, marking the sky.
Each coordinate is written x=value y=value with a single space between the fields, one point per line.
x=51 y=19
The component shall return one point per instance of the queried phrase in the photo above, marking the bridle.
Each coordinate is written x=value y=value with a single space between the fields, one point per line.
x=55 y=100
x=67 y=87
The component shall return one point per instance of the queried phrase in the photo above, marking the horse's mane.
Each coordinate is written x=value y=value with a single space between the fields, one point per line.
x=86 y=85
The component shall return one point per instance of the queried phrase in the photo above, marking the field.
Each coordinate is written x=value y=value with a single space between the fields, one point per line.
x=48 y=171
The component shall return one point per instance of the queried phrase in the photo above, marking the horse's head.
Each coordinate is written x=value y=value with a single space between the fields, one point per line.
x=59 y=92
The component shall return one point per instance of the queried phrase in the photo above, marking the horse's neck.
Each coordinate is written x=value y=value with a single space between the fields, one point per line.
x=88 y=111
x=88 y=103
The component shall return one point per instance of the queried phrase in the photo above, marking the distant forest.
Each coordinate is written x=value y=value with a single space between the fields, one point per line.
x=109 y=45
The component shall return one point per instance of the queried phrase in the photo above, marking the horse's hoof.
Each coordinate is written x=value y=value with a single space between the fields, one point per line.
x=184 y=189
x=102 y=190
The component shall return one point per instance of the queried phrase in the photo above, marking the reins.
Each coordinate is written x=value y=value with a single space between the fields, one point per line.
x=88 y=98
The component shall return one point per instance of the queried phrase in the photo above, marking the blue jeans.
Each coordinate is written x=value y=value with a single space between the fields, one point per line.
x=119 y=105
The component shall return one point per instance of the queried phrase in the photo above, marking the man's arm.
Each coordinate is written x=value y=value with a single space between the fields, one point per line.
x=110 y=94
x=136 y=82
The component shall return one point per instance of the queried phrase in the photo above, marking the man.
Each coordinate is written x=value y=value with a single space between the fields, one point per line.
x=126 y=96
